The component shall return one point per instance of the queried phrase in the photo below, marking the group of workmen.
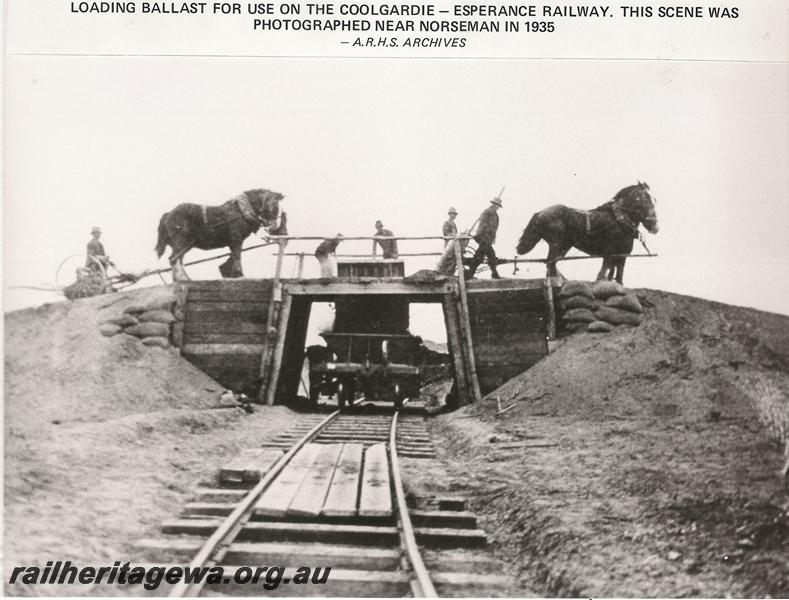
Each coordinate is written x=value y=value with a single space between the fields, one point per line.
x=487 y=225
x=485 y=236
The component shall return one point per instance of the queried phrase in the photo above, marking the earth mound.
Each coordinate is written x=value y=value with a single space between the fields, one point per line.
x=105 y=438
x=642 y=462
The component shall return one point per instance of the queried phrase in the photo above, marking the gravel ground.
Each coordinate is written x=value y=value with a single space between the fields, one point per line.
x=645 y=462
x=105 y=439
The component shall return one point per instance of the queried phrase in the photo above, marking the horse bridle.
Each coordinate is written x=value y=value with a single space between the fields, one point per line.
x=616 y=206
x=636 y=233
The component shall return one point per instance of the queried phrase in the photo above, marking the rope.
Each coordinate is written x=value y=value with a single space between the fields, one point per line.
x=643 y=243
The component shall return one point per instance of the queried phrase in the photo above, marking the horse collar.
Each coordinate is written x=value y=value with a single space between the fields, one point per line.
x=247 y=211
x=624 y=220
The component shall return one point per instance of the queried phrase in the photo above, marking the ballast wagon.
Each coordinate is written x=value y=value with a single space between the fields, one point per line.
x=383 y=367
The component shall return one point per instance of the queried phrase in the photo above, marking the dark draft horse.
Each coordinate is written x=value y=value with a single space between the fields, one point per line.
x=607 y=230
x=190 y=226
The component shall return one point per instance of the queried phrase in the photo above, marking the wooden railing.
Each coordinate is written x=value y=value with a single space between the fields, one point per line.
x=282 y=242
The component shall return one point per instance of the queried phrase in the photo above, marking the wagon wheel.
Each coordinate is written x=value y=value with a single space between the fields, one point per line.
x=346 y=392
x=315 y=394
x=88 y=281
x=398 y=401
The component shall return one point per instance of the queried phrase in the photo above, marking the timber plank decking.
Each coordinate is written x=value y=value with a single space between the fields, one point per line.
x=333 y=505
x=311 y=494
x=277 y=498
x=375 y=499
x=341 y=499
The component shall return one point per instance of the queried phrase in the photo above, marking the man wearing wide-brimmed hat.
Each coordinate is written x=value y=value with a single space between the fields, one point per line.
x=450 y=228
x=96 y=251
x=486 y=237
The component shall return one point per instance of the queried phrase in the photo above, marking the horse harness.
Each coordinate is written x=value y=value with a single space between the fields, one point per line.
x=247 y=211
x=620 y=218
x=244 y=206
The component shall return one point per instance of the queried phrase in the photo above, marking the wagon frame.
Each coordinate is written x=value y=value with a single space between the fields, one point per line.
x=364 y=364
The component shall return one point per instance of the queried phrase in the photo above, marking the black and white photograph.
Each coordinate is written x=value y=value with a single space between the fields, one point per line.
x=364 y=299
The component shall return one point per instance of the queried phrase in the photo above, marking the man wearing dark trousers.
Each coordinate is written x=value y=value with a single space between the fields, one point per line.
x=485 y=238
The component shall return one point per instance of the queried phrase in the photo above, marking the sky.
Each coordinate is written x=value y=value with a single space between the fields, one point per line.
x=117 y=141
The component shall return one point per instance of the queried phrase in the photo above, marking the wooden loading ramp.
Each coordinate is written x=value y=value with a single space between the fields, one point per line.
x=249 y=334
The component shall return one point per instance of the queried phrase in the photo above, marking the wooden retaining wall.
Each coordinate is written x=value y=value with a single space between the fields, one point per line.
x=508 y=329
x=224 y=329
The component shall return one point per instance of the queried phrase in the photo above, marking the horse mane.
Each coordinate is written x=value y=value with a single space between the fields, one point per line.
x=627 y=191
x=264 y=194
x=622 y=194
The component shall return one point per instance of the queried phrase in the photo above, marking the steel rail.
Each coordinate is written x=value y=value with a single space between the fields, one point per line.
x=227 y=531
x=426 y=588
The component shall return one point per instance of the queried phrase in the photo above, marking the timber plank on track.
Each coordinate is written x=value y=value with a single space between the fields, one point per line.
x=375 y=499
x=341 y=583
x=276 y=499
x=443 y=537
x=309 y=498
x=314 y=532
x=249 y=466
x=295 y=555
x=342 y=497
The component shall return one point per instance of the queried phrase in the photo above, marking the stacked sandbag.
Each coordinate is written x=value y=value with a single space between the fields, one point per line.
x=151 y=322
x=598 y=307
x=576 y=299
x=614 y=307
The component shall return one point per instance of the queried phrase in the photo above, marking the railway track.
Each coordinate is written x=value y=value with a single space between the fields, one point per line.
x=328 y=494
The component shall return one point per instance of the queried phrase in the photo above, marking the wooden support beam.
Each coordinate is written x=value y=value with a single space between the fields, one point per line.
x=181 y=292
x=363 y=286
x=271 y=330
x=276 y=363
x=465 y=324
x=551 y=333
x=456 y=350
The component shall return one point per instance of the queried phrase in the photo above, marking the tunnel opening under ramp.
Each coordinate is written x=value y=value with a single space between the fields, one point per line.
x=249 y=335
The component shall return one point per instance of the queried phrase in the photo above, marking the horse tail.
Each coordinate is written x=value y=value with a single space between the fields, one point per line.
x=163 y=240
x=531 y=235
